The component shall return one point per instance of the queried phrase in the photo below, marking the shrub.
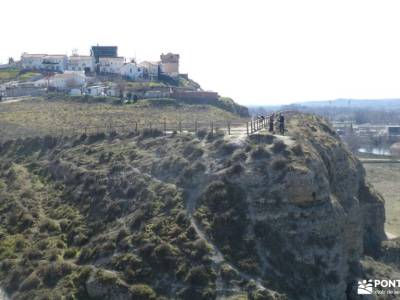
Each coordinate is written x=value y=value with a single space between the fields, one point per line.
x=201 y=133
x=228 y=148
x=298 y=150
x=278 y=146
x=85 y=255
x=262 y=138
x=279 y=164
x=239 y=156
x=53 y=272
x=201 y=248
x=199 y=275
x=70 y=253
x=49 y=226
x=142 y=292
x=30 y=283
x=150 y=133
x=33 y=254
x=260 y=153
x=93 y=138
x=236 y=169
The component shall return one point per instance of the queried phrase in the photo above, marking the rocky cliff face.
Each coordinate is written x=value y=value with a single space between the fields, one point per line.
x=187 y=216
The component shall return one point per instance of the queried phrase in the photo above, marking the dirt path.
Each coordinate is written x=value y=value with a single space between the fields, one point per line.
x=16 y=99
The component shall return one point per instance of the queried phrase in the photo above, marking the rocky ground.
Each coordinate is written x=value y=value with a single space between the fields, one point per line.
x=182 y=216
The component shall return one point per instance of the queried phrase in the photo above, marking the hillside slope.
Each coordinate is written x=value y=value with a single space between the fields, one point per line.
x=63 y=115
x=186 y=216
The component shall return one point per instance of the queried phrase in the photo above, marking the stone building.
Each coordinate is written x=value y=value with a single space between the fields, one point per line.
x=170 y=65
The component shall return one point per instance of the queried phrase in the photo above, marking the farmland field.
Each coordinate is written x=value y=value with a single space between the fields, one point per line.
x=385 y=178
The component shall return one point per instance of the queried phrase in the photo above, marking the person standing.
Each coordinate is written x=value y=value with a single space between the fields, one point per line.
x=271 y=123
x=282 y=124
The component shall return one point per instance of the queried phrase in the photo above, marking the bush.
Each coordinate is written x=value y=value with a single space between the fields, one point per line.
x=30 y=283
x=150 y=133
x=85 y=255
x=298 y=150
x=201 y=133
x=70 y=253
x=93 y=138
x=236 y=169
x=33 y=254
x=199 y=275
x=49 y=226
x=278 y=146
x=142 y=292
x=53 y=272
x=260 y=153
x=279 y=164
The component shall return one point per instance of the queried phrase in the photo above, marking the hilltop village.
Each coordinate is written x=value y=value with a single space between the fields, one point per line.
x=102 y=73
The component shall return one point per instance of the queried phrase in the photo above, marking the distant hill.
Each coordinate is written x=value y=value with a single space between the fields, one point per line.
x=362 y=103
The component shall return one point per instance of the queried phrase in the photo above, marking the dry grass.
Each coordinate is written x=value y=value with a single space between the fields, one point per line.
x=385 y=177
x=38 y=116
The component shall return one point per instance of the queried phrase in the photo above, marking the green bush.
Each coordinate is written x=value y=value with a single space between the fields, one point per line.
x=30 y=283
x=49 y=226
x=70 y=253
x=142 y=292
x=278 y=146
x=260 y=153
x=279 y=163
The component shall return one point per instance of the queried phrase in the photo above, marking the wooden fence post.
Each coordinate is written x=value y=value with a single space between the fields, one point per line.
x=212 y=127
x=150 y=125
x=251 y=126
x=180 y=126
x=229 y=128
x=165 y=126
x=247 y=128
x=136 y=128
x=195 y=126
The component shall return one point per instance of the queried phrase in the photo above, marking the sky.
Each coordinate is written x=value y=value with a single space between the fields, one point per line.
x=259 y=52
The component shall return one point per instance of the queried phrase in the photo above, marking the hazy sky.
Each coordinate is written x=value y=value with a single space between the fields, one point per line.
x=257 y=52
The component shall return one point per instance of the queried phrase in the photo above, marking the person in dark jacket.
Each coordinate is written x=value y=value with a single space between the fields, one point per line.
x=282 y=124
x=271 y=123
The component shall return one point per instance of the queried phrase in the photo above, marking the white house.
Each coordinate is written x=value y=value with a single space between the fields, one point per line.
x=111 y=65
x=81 y=63
x=32 y=61
x=150 y=69
x=132 y=71
x=68 y=80
x=57 y=63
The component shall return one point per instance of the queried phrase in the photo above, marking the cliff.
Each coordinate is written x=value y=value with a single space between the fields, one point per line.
x=187 y=216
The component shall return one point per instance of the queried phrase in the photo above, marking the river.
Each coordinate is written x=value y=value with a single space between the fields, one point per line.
x=375 y=151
